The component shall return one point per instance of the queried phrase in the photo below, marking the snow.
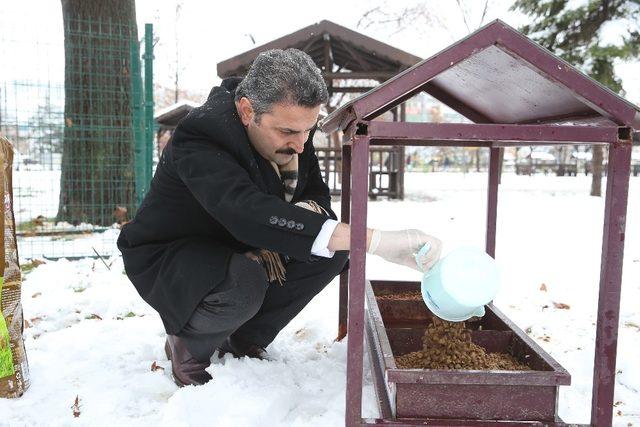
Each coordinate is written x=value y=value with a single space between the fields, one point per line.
x=613 y=32
x=92 y=336
x=175 y=106
x=542 y=155
x=575 y=4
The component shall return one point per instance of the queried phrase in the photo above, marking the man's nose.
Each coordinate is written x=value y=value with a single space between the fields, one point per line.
x=298 y=143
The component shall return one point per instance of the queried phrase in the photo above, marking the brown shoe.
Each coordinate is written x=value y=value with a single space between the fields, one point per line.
x=240 y=350
x=185 y=369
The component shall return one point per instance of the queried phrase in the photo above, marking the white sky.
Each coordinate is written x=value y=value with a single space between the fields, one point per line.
x=210 y=32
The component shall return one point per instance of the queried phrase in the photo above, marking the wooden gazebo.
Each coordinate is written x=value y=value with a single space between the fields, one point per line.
x=346 y=58
x=168 y=118
x=516 y=93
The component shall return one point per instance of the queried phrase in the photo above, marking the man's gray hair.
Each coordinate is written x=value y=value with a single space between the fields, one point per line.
x=288 y=76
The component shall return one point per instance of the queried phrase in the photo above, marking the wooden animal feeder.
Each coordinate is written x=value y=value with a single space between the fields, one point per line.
x=516 y=93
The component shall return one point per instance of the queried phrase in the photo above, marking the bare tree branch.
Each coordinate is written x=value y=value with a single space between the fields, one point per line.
x=484 y=13
x=464 y=16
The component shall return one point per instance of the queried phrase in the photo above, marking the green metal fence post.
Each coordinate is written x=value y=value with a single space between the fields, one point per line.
x=148 y=101
x=138 y=123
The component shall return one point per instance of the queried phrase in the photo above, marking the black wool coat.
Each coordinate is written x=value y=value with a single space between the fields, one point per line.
x=212 y=195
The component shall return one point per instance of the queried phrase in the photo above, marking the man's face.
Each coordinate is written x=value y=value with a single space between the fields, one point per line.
x=281 y=132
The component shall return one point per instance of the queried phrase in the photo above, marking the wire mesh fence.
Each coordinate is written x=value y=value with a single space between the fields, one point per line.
x=80 y=116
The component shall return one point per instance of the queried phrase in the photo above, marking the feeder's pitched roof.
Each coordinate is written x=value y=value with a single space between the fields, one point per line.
x=497 y=75
x=349 y=49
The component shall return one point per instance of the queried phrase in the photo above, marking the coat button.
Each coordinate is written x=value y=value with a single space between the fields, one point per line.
x=291 y=224
x=273 y=220
x=282 y=222
x=299 y=226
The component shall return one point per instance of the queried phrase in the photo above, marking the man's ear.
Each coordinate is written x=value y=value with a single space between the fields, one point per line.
x=245 y=109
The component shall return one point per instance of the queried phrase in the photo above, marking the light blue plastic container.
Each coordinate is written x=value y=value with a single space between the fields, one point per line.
x=459 y=285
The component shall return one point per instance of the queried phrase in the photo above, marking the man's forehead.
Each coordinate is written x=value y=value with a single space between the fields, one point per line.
x=293 y=117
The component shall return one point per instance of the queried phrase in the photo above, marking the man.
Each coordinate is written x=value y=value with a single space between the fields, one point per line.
x=236 y=234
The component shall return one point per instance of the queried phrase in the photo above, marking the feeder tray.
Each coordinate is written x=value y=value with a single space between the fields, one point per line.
x=396 y=326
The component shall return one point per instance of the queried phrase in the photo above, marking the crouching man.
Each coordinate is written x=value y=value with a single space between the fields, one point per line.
x=236 y=234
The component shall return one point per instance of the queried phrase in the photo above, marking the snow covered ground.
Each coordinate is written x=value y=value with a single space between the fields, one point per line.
x=91 y=335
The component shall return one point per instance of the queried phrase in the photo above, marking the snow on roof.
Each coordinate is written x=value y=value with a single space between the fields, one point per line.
x=176 y=106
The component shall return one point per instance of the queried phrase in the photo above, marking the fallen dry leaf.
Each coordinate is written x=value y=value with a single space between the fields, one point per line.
x=543 y=287
x=561 y=305
x=76 y=407
x=631 y=325
x=35 y=320
x=155 y=367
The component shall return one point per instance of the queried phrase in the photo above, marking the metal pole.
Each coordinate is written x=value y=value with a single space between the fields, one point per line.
x=344 y=217
x=492 y=200
x=357 y=260
x=403 y=118
x=148 y=102
x=138 y=130
x=615 y=212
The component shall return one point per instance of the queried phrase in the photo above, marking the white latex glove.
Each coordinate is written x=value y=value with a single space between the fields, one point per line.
x=401 y=247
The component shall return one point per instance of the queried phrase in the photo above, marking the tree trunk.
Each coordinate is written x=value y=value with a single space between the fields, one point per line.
x=98 y=147
x=596 y=170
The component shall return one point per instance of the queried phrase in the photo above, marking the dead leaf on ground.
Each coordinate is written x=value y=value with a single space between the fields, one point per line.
x=632 y=325
x=561 y=305
x=76 y=407
x=155 y=367
x=35 y=320
x=543 y=287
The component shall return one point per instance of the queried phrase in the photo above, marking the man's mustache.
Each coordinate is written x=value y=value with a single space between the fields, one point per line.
x=286 y=151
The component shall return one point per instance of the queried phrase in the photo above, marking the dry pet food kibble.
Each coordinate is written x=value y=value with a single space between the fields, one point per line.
x=447 y=345
x=405 y=296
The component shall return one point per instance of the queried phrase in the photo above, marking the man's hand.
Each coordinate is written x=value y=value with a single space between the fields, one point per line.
x=401 y=247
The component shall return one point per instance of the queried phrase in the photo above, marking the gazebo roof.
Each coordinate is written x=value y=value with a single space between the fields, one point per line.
x=497 y=75
x=349 y=50
x=171 y=115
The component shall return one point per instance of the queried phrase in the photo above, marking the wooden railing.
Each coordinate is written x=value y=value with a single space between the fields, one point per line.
x=386 y=170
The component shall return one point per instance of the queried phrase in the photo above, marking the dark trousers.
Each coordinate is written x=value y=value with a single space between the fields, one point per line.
x=250 y=308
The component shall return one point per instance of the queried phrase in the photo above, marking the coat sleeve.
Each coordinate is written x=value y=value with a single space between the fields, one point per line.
x=316 y=189
x=225 y=190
